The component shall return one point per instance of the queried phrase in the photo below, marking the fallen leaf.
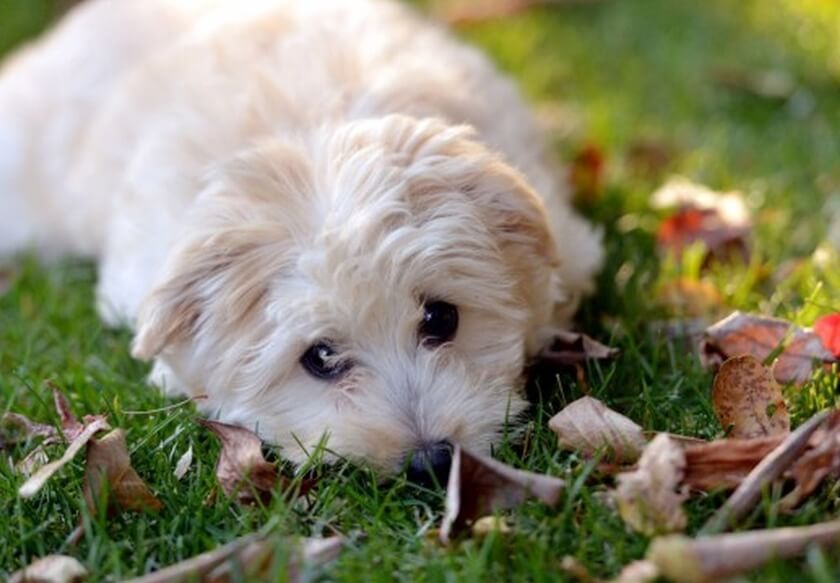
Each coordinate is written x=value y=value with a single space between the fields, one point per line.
x=719 y=220
x=184 y=463
x=638 y=572
x=51 y=569
x=744 y=392
x=479 y=485
x=650 y=498
x=586 y=172
x=721 y=557
x=108 y=469
x=723 y=464
x=572 y=349
x=17 y=428
x=761 y=337
x=828 y=329
x=37 y=480
x=249 y=557
x=242 y=470
x=589 y=426
x=34 y=460
x=70 y=426
x=813 y=466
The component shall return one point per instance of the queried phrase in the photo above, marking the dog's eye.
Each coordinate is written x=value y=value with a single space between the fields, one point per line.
x=439 y=324
x=319 y=361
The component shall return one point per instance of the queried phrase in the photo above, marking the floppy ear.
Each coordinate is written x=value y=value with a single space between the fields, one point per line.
x=235 y=240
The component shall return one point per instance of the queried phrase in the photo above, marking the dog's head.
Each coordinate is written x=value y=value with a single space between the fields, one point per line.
x=380 y=285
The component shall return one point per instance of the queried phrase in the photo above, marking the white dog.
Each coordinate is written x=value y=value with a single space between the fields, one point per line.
x=329 y=216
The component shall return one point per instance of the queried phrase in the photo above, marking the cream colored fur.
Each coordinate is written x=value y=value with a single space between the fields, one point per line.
x=253 y=177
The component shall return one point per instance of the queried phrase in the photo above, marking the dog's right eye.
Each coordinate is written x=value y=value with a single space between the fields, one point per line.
x=319 y=361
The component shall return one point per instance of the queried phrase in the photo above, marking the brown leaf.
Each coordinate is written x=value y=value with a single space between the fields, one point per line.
x=51 y=569
x=572 y=348
x=249 y=557
x=820 y=461
x=761 y=337
x=70 y=426
x=719 y=220
x=723 y=464
x=18 y=428
x=35 y=482
x=743 y=392
x=34 y=460
x=108 y=468
x=242 y=471
x=589 y=426
x=648 y=498
x=480 y=485
x=721 y=557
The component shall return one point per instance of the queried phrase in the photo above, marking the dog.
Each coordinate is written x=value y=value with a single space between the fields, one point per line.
x=331 y=218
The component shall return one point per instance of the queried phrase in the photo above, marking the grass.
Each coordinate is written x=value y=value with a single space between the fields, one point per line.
x=621 y=73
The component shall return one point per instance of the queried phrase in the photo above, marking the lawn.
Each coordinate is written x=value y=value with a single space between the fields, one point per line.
x=689 y=78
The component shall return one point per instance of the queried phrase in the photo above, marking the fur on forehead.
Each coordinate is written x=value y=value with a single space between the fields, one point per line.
x=390 y=204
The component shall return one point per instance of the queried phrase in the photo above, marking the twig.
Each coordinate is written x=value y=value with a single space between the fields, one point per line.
x=769 y=469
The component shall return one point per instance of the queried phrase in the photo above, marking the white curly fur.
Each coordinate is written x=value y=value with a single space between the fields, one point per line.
x=255 y=177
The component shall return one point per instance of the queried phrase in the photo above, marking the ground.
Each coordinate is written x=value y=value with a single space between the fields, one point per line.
x=739 y=95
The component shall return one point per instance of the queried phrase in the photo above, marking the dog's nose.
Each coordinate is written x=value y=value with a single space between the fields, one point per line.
x=429 y=465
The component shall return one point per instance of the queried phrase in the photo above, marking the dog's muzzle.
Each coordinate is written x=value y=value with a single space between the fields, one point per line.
x=429 y=465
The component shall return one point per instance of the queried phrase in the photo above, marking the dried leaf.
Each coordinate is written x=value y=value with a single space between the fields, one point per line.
x=70 y=426
x=648 y=498
x=589 y=426
x=480 y=485
x=35 y=482
x=638 y=572
x=743 y=392
x=242 y=471
x=17 y=428
x=51 y=569
x=249 y=557
x=109 y=468
x=572 y=348
x=828 y=329
x=820 y=461
x=723 y=464
x=34 y=460
x=762 y=337
x=718 y=558
x=184 y=463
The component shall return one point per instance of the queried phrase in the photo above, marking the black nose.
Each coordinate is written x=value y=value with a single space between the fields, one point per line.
x=429 y=465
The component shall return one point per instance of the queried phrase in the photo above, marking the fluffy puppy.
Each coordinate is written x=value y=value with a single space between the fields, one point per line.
x=330 y=217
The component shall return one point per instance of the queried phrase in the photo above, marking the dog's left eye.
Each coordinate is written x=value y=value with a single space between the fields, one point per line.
x=319 y=361
x=439 y=324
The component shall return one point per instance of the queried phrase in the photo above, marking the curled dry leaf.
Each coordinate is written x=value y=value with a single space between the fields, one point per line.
x=184 y=463
x=17 y=428
x=739 y=334
x=723 y=464
x=719 y=220
x=828 y=329
x=248 y=557
x=572 y=348
x=650 y=498
x=480 y=485
x=589 y=426
x=51 y=569
x=817 y=463
x=717 y=558
x=747 y=398
x=108 y=468
x=37 y=480
x=34 y=460
x=242 y=471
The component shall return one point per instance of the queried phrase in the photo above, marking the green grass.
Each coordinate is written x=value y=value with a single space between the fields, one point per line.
x=624 y=72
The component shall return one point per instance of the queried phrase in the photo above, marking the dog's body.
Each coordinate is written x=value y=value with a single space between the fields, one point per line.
x=261 y=179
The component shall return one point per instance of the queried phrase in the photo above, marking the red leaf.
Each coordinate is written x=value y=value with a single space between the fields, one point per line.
x=828 y=329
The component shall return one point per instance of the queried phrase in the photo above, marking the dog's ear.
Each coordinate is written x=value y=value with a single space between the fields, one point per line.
x=234 y=242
